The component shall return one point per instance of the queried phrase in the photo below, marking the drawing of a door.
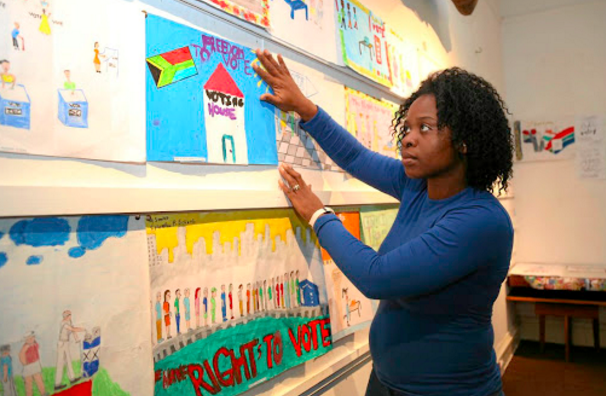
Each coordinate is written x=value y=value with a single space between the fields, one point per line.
x=224 y=119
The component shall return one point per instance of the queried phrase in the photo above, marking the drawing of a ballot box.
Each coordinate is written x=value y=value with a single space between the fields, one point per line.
x=15 y=107
x=90 y=353
x=73 y=108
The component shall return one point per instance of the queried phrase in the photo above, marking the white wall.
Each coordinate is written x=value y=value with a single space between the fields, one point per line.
x=554 y=54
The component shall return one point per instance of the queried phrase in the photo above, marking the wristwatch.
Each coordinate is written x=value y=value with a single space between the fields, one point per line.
x=318 y=213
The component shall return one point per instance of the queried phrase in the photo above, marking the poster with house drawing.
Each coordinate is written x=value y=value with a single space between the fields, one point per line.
x=349 y=309
x=370 y=120
x=70 y=80
x=307 y=24
x=363 y=40
x=295 y=146
x=203 y=99
x=238 y=298
x=75 y=317
x=547 y=140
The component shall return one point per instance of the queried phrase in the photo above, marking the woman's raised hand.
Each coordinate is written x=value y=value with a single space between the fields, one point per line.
x=287 y=96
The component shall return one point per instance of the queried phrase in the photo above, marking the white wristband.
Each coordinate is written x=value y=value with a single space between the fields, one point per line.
x=319 y=213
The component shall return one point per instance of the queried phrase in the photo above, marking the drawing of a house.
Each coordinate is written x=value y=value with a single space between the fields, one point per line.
x=311 y=294
x=224 y=119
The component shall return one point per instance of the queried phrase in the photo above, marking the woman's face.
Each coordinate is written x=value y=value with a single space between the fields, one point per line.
x=427 y=152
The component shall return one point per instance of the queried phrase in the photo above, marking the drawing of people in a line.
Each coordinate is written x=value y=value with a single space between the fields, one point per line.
x=223 y=304
x=213 y=304
x=6 y=371
x=177 y=311
x=231 y=300
x=197 y=306
x=64 y=358
x=298 y=287
x=240 y=300
x=248 y=299
x=167 y=313
x=44 y=25
x=7 y=77
x=97 y=59
x=286 y=293
x=345 y=296
x=16 y=35
x=159 y=317
x=205 y=303
x=187 y=307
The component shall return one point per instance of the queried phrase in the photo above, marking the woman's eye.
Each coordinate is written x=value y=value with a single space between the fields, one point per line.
x=405 y=129
x=425 y=128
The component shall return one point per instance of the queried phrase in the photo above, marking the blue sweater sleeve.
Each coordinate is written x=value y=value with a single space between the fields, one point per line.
x=381 y=172
x=461 y=242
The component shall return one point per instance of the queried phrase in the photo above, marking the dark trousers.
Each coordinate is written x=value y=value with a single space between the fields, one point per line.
x=376 y=388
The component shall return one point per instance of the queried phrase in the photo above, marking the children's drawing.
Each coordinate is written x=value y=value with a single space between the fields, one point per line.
x=349 y=309
x=307 y=24
x=16 y=37
x=403 y=64
x=253 y=11
x=375 y=224
x=51 y=343
x=590 y=140
x=547 y=140
x=370 y=121
x=203 y=99
x=63 y=96
x=280 y=306
x=295 y=146
x=363 y=40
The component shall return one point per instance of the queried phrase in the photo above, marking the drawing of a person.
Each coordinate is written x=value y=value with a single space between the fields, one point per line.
x=205 y=303
x=272 y=301
x=177 y=311
x=256 y=296
x=223 y=304
x=342 y=12
x=15 y=35
x=68 y=84
x=159 y=317
x=64 y=358
x=286 y=293
x=167 y=313
x=266 y=295
x=240 y=288
x=213 y=304
x=96 y=60
x=7 y=77
x=231 y=300
x=280 y=293
x=261 y=297
x=187 y=306
x=248 y=299
x=44 y=25
x=197 y=306
x=6 y=371
x=355 y=19
x=293 y=293
x=349 y=15
x=347 y=308
x=298 y=288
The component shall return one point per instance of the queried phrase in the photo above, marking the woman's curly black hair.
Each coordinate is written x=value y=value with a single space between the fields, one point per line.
x=472 y=108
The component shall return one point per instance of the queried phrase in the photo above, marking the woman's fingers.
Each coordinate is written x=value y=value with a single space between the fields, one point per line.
x=273 y=62
x=289 y=179
x=269 y=98
x=283 y=64
x=294 y=174
x=265 y=61
x=268 y=78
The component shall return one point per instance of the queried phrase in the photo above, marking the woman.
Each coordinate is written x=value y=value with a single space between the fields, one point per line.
x=441 y=266
x=44 y=24
x=167 y=313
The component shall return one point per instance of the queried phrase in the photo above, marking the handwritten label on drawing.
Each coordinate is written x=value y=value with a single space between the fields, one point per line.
x=161 y=221
x=231 y=367
x=233 y=56
x=226 y=100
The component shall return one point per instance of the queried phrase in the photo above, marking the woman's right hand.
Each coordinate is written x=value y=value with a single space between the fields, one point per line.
x=287 y=96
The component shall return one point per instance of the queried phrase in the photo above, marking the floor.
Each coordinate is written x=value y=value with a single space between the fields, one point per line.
x=531 y=373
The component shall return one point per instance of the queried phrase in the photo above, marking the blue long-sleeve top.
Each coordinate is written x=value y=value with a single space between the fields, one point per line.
x=437 y=274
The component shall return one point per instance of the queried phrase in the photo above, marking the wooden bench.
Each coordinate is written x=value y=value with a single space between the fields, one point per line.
x=564 y=305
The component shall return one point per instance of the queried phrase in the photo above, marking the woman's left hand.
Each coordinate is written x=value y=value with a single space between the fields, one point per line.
x=303 y=200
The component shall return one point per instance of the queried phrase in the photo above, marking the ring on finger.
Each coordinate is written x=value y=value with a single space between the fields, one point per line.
x=296 y=188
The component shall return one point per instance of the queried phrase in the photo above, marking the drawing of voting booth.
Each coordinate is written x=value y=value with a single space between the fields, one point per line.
x=90 y=353
x=110 y=60
x=73 y=108
x=15 y=107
